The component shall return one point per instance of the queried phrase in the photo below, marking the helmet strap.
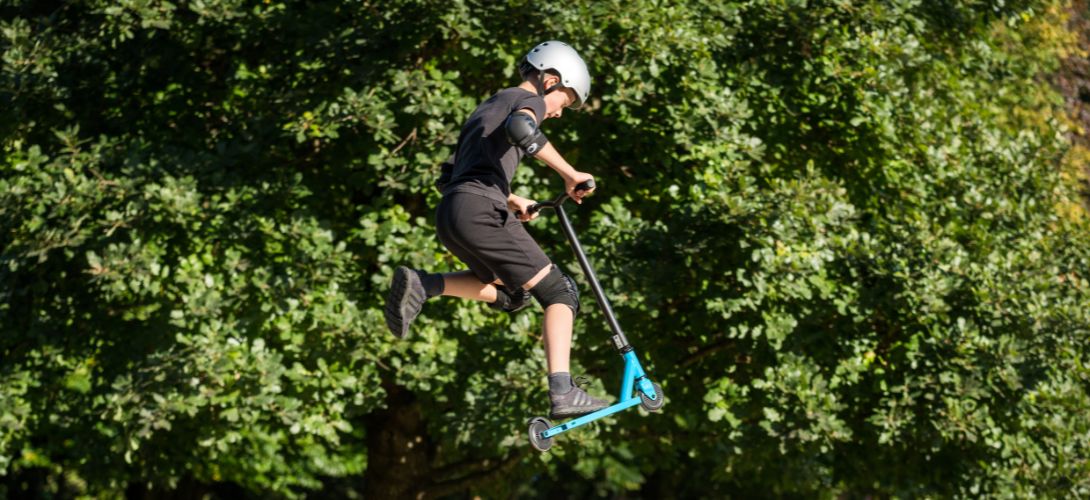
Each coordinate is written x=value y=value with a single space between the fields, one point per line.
x=539 y=84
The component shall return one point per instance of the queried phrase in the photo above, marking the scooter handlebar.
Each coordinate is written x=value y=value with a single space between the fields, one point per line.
x=584 y=186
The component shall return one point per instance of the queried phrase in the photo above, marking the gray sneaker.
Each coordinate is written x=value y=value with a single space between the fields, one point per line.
x=404 y=302
x=575 y=403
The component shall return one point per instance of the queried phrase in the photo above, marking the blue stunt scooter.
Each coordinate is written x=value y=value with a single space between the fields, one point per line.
x=636 y=387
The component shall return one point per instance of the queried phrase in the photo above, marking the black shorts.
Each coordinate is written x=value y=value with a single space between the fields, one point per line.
x=480 y=231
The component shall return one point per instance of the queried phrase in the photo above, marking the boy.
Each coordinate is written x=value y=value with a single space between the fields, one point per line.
x=475 y=219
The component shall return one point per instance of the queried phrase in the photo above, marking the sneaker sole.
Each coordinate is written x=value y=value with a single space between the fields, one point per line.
x=404 y=281
x=574 y=413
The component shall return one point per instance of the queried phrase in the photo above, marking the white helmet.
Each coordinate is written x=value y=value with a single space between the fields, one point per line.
x=561 y=58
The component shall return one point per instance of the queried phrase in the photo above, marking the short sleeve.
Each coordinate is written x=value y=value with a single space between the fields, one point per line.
x=533 y=102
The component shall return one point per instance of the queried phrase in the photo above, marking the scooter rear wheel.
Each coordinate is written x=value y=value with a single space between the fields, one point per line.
x=653 y=404
x=537 y=426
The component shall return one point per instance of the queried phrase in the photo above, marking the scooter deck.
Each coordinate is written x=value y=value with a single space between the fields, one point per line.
x=586 y=419
x=634 y=384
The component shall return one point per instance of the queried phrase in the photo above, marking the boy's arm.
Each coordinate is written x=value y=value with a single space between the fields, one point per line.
x=551 y=157
x=571 y=176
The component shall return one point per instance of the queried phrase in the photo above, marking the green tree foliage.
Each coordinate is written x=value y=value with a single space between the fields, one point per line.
x=837 y=232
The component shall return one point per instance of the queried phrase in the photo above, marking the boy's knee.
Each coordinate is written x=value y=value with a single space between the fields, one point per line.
x=556 y=288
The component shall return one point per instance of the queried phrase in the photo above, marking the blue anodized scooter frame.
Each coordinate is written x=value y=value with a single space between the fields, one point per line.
x=634 y=376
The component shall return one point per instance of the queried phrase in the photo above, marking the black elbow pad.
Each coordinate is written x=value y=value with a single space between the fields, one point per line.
x=522 y=131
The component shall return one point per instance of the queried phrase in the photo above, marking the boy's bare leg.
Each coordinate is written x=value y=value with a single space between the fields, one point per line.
x=410 y=288
x=465 y=284
x=568 y=400
x=558 y=328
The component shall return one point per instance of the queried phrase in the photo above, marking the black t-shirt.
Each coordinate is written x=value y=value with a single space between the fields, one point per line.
x=484 y=157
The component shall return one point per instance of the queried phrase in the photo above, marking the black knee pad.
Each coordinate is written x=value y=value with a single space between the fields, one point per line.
x=556 y=288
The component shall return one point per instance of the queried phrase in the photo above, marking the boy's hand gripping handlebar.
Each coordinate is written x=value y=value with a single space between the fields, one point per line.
x=586 y=186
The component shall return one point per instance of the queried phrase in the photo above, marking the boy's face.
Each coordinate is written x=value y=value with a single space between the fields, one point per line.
x=555 y=102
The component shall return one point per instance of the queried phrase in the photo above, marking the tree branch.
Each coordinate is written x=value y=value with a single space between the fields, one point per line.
x=410 y=137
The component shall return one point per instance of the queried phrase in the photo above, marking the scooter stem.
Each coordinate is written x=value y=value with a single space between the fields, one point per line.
x=619 y=340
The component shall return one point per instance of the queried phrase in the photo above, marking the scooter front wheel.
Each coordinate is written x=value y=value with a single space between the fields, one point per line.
x=537 y=426
x=653 y=404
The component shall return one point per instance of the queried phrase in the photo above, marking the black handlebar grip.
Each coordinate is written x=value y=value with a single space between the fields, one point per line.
x=584 y=186
x=532 y=210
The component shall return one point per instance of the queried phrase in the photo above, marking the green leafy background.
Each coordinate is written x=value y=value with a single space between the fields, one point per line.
x=845 y=236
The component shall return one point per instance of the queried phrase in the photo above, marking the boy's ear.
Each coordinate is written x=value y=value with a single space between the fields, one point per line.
x=551 y=80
